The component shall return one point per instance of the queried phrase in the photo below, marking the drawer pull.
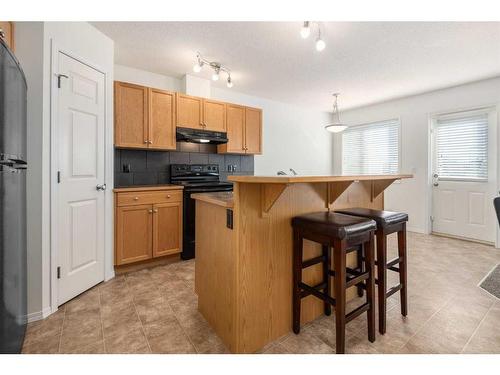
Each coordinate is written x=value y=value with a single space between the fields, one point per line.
x=155 y=210
x=136 y=198
x=150 y=211
x=168 y=195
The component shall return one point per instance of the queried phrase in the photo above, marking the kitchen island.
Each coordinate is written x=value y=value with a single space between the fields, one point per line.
x=243 y=271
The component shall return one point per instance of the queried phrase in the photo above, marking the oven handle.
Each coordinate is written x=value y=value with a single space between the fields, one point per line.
x=208 y=190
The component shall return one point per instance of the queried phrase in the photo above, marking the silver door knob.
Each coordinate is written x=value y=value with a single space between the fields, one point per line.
x=101 y=187
x=435 y=175
x=435 y=184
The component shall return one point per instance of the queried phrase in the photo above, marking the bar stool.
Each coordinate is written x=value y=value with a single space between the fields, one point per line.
x=387 y=222
x=343 y=234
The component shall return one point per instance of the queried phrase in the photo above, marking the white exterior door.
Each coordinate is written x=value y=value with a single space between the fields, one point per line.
x=80 y=143
x=464 y=175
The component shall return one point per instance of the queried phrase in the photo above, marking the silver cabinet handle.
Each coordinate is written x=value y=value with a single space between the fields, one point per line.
x=101 y=187
x=435 y=184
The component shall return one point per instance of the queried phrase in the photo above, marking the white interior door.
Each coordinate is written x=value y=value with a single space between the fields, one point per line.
x=464 y=175
x=80 y=144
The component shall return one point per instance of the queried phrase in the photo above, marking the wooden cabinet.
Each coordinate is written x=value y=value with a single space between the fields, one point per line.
x=148 y=224
x=161 y=120
x=144 y=117
x=7 y=29
x=167 y=219
x=133 y=233
x=253 y=130
x=244 y=130
x=189 y=111
x=214 y=115
x=198 y=113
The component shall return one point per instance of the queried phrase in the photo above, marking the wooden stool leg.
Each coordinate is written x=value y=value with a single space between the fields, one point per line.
x=361 y=267
x=403 y=272
x=297 y=278
x=370 y=286
x=326 y=278
x=339 y=259
x=382 y=280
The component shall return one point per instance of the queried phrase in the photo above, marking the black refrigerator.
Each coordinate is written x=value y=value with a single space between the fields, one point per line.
x=13 y=166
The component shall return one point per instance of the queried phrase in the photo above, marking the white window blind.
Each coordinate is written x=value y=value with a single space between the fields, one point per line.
x=371 y=148
x=462 y=147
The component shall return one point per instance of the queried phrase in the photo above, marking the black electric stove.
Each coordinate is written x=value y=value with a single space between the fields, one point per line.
x=196 y=178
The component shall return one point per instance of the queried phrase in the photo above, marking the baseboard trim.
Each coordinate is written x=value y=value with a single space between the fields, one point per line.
x=38 y=315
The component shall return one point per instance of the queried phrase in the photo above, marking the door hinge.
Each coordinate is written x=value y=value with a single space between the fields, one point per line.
x=59 y=76
x=59 y=272
x=229 y=218
x=58 y=177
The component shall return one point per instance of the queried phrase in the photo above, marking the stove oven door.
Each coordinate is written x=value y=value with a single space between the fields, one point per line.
x=189 y=217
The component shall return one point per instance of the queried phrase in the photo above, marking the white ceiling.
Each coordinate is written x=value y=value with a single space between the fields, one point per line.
x=366 y=62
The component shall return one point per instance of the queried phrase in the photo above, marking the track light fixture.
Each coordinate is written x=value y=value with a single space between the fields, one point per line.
x=306 y=31
x=217 y=67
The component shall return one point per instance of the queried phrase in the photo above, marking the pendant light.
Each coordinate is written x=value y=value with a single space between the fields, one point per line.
x=336 y=126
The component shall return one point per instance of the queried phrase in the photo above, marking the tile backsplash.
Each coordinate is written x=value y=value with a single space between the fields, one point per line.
x=144 y=167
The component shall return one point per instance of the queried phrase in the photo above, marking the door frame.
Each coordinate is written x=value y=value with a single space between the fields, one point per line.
x=492 y=110
x=53 y=184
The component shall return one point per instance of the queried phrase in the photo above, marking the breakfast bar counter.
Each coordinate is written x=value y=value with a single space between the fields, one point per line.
x=243 y=274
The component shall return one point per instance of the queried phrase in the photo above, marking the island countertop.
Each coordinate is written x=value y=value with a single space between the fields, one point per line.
x=301 y=179
x=221 y=198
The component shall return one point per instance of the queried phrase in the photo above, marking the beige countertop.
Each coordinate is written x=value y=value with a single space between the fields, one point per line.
x=221 y=198
x=302 y=179
x=147 y=188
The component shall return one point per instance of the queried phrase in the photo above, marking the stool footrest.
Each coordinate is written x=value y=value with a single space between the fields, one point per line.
x=315 y=291
x=393 y=290
x=313 y=261
x=394 y=261
x=395 y=269
x=357 y=312
x=357 y=279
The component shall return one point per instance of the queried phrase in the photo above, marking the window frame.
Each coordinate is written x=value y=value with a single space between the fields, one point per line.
x=374 y=123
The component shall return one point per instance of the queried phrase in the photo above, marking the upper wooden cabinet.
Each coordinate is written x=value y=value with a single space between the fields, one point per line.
x=198 y=113
x=144 y=117
x=147 y=118
x=214 y=115
x=189 y=111
x=161 y=119
x=8 y=30
x=244 y=130
x=253 y=130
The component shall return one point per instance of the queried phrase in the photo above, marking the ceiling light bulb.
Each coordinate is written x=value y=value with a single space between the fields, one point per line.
x=215 y=76
x=306 y=30
x=320 y=44
x=197 y=67
x=229 y=82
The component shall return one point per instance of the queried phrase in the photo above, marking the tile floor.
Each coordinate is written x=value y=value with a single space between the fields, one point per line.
x=155 y=311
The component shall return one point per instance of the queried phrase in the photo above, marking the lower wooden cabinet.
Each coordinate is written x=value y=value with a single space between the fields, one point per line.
x=148 y=224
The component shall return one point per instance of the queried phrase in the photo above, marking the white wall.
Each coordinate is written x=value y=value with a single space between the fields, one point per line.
x=412 y=195
x=293 y=137
x=34 y=41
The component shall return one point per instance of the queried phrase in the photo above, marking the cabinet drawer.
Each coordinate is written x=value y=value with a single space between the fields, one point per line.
x=150 y=197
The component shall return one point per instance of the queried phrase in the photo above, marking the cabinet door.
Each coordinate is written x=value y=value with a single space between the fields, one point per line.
x=161 y=119
x=214 y=115
x=131 y=115
x=189 y=111
x=167 y=228
x=8 y=29
x=235 y=125
x=253 y=130
x=134 y=232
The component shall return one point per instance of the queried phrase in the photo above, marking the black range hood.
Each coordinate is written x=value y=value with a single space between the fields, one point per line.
x=200 y=136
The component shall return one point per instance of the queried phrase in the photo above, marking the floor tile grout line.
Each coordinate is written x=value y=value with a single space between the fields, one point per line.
x=180 y=325
x=102 y=323
x=140 y=320
x=477 y=328
x=61 y=333
x=427 y=321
